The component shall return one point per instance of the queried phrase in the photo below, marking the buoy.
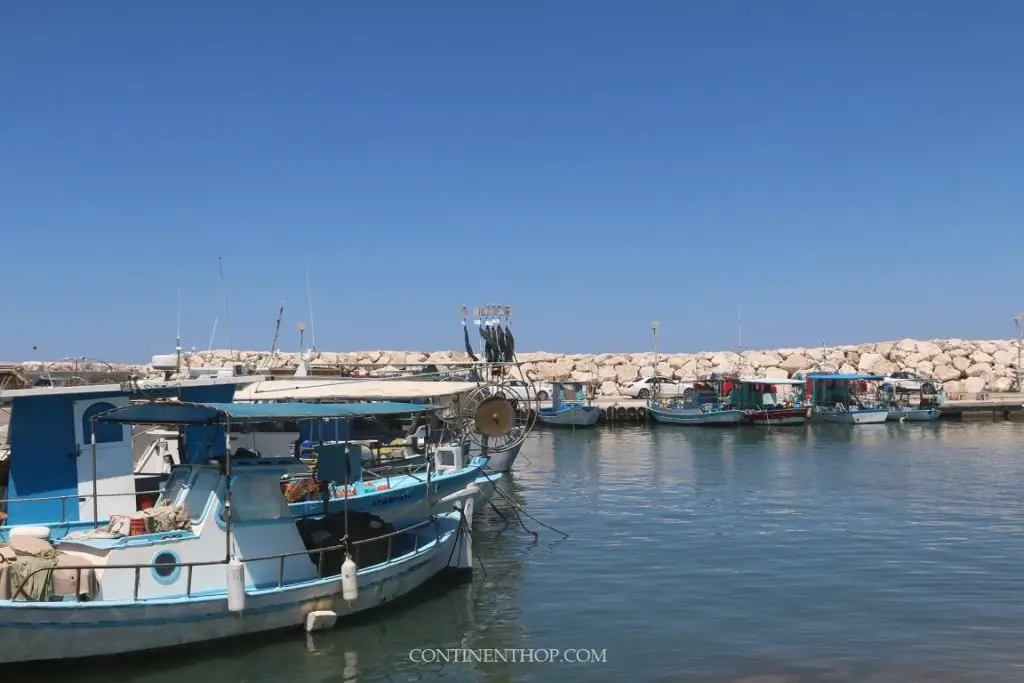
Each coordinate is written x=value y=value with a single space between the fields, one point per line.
x=320 y=620
x=349 y=582
x=236 y=585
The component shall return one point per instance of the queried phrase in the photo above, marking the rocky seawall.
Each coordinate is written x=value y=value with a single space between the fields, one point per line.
x=964 y=367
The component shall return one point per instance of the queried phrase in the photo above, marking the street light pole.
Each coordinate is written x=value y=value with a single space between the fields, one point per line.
x=1016 y=321
x=655 y=324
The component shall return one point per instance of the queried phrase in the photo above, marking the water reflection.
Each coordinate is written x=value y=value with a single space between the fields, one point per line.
x=814 y=554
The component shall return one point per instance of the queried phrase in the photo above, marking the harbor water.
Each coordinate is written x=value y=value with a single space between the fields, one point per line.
x=832 y=554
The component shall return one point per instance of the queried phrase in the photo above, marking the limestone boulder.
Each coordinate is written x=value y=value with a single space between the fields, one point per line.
x=974 y=385
x=1005 y=357
x=946 y=373
x=609 y=388
x=978 y=370
x=868 y=361
x=797 y=362
x=928 y=349
x=774 y=373
x=981 y=357
x=1001 y=384
x=762 y=359
x=627 y=373
x=961 y=363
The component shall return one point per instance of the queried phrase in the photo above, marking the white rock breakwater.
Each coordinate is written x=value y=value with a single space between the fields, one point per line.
x=966 y=367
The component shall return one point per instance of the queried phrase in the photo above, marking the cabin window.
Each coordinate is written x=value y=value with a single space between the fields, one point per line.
x=177 y=480
x=257 y=499
x=106 y=432
x=199 y=493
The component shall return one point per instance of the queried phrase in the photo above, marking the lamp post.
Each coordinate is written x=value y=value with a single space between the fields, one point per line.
x=1016 y=321
x=655 y=324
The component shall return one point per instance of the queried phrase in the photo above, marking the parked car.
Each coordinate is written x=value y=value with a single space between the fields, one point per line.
x=905 y=380
x=521 y=390
x=645 y=387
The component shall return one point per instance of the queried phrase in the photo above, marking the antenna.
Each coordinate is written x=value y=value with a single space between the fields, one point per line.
x=227 y=318
x=177 y=335
x=739 y=329
x=309 y=297
x=277 y=329
x=213 y=332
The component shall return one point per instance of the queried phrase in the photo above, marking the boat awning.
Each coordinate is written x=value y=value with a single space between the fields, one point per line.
x=846 y=378
x=180 y=413
x=349 y=390
x=771 y=380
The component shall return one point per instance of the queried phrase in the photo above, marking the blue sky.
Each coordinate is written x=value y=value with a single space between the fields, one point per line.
x=842 y=172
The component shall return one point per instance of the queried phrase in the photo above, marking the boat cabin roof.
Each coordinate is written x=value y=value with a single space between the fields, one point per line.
x=767 y=380
x=182 y=413
x=838 y=376
x=349 y=389
x=148 y=386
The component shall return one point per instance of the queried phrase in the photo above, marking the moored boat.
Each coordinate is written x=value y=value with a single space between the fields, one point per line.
x=219 y=558
x=842 y=398
x=764 y=403
x=705 y=405
x=569 y=407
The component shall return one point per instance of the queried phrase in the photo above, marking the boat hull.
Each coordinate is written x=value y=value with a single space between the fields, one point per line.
x=576 y=416
x=502 y=462
x=914 y=415
x=852 y=417
x=696 y=417
x=778 y=417
x=33 y=632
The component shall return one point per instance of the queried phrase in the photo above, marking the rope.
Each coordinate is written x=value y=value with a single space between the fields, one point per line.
x=520 y=512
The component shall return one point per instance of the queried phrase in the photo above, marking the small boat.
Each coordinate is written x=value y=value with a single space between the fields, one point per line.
x=569 y=407
x=901 y=409
x=905 y=413
x=842 y=398
x=760 y=399
x=705 y=405
x=219 y=558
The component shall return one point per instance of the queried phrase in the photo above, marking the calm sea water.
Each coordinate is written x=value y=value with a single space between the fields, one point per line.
x=873 y=554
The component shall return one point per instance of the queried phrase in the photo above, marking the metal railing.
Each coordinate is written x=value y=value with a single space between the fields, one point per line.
x=190 y=566
x=77 y=497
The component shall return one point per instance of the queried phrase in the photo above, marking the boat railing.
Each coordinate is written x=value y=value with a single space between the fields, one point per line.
x=189 y=567
x=78 y=497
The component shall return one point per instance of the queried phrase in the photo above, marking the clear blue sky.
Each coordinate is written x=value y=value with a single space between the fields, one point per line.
x=842 y=171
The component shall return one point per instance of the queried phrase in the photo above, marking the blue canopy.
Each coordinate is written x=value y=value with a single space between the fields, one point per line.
x=844 y=377
x=180 y=413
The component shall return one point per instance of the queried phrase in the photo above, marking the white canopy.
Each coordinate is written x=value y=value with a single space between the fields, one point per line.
x=324 y=389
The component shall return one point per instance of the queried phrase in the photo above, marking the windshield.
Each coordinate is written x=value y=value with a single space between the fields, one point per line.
x=177 y=480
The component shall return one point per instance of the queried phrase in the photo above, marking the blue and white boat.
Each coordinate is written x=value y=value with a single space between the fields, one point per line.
x=845 y=398
x=229 y=558
x=703 y=406
x=569 y=407
x=52 y=436
x=48 y=489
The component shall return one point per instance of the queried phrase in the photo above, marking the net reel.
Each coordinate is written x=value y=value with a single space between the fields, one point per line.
x=495 y=419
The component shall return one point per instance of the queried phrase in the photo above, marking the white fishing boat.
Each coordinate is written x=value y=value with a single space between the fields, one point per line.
x=570 y=407
x=219 y=558
x=843 y=398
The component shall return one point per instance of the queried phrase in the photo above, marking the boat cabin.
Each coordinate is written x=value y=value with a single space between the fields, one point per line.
x=214 y=507
x=568 y=394
x=58 y=449
x=759 y=393
x=842 y=389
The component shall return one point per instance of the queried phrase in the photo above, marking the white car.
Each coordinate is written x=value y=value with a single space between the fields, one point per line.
x=664 y=387
x=522 y=391
x=905 y=380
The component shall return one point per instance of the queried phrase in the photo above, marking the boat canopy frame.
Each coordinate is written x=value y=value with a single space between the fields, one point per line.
x=181 y=413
